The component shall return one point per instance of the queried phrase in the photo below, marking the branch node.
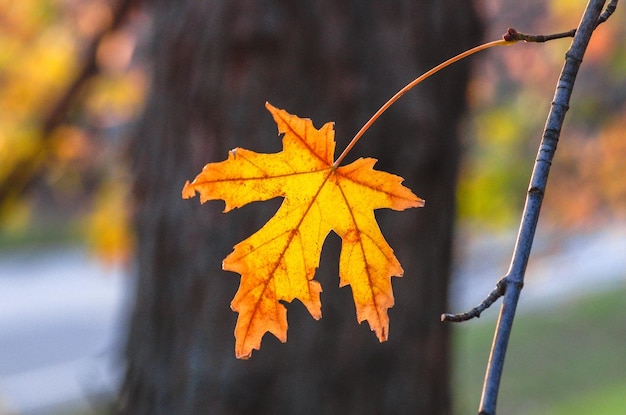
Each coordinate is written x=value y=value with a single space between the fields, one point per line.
x=608 y=11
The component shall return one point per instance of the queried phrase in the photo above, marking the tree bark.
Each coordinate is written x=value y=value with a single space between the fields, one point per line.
x=214 y=64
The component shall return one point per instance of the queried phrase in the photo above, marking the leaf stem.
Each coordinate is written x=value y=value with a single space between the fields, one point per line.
x=368 y=124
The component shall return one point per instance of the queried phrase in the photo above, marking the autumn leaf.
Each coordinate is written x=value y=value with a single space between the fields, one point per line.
x=278 y=262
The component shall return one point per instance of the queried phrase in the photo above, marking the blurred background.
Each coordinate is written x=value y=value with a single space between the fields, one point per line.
x=74 y=80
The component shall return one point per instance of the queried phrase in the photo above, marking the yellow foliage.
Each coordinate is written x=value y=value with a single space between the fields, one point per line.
x=37 y=74
x=278 y=262
x=107 y=227
x=116 y=98
x=42 y=45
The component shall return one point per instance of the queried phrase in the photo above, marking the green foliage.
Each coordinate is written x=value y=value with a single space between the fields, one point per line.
x=607 y=400
x=558 y=358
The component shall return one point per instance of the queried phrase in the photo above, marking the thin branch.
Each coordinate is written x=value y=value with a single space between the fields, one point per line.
x=513 y=35
x=608 y=11
x=475 y=312
x=534 y=198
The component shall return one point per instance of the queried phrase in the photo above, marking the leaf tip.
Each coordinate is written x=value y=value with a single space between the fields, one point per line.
x=242 y=354
x=382 y=334
x=188 y=190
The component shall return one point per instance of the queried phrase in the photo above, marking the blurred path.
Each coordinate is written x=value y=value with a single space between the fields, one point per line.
x=561 y=266
x=59 y=330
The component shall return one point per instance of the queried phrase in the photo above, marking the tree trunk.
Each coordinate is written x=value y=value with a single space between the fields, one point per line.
x=215 y=63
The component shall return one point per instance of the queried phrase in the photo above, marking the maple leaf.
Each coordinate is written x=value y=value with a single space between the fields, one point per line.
x=278 y=262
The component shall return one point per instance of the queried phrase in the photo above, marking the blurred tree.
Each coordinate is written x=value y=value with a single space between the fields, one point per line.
x=69 y=90
x=214 y=65
x=510 y=97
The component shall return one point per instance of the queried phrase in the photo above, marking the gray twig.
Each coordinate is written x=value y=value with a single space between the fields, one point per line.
x=530 y=216
x=608 y=11
x=475 y=312
x=512 y=34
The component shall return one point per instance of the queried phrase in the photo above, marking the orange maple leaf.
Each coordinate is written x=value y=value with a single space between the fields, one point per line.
x=278 y=262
